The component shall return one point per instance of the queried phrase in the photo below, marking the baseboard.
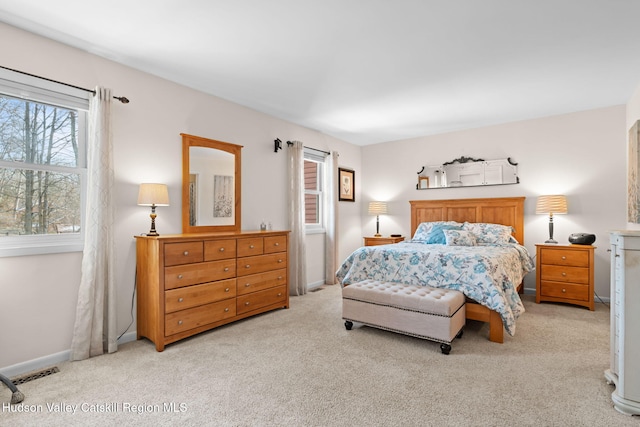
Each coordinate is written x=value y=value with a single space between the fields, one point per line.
x=312 y=286
x=50 y=360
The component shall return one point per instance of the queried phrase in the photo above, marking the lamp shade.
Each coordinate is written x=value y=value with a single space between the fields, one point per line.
x=377 y=208
x=555 y=204
x=153 y=195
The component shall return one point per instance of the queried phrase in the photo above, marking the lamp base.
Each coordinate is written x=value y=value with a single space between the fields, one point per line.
x=551 y=241
x=377 y=235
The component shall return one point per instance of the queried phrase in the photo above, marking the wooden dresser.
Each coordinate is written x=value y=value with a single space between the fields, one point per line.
x=564 y=273
x=190 y=283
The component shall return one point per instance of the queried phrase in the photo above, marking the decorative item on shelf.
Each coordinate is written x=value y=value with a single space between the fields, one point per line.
x=377 y=209
x=153 y=195
x=552 y=204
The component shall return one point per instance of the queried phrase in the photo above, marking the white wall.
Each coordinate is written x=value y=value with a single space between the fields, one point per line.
x=582 y=155
x=38 y=293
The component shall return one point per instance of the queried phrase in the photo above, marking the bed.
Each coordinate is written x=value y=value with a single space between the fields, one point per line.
x=490 y=273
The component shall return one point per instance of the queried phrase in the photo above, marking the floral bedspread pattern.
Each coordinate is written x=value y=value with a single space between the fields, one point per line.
x=488 y=274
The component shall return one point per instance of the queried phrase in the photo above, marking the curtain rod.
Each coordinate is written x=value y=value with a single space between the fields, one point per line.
x=278 y=146
x=122 y=99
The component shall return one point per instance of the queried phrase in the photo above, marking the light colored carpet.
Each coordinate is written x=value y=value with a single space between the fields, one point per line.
x=301 y=367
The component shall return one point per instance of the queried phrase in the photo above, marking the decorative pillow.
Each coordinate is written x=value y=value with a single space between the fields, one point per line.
x=459 y=238
x=436 y=236
x=489 y=233
x=424 y=229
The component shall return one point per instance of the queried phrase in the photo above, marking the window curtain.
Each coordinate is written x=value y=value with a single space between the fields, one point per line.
x=331 y=218
x=94 y=331
x=297 y=253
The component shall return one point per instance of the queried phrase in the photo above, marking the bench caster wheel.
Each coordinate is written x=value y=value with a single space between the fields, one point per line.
x=348 y=324
x=445 y=348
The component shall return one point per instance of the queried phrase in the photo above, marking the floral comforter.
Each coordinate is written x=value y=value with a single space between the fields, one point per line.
x=488 y=274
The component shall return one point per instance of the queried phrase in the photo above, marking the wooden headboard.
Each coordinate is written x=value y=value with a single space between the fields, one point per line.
x=502 y=210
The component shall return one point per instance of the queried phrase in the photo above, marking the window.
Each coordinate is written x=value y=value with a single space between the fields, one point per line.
x=313 y=191
x=42 y=165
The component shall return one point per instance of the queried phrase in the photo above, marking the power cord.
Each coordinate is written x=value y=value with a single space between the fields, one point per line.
x=135 y=285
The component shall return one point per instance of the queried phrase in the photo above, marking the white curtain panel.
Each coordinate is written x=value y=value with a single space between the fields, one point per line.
x=297 y=246
x=331 y=216
x=94 y=331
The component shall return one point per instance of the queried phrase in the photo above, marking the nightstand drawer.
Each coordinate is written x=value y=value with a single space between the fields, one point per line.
x=565 y=290
x=561 y=273
x=565 y=257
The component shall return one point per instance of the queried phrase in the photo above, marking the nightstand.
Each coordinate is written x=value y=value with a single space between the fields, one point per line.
x=564 y=273
x=375 y=241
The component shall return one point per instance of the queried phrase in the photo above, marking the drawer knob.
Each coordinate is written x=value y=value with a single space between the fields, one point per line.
x=179 y=322
x=226 y=269
x=185 y=253
x=180 y=299
x=564 y=257
x=226 y=309
x=227 y=290
x=246 y=285
x=564 y=274
x=246 y=303
x=247 y=266
x=279 y=260
x=221 y=249
x=279 y=294
x=279 y=277
x=564 y=290
x=250 y=246
x=277 y=244
x=180 y=276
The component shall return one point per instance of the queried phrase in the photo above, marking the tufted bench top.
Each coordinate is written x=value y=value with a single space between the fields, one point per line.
x=425 y=299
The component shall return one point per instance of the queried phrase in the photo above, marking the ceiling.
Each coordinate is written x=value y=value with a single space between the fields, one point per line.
x=366 y=71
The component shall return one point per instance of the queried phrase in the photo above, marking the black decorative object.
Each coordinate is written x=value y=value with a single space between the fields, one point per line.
x=582 y=238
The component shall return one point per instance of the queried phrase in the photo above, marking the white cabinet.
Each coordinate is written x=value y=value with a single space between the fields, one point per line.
x=624 y=372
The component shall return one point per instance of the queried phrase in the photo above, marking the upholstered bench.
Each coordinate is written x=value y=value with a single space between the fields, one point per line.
x=419 y=311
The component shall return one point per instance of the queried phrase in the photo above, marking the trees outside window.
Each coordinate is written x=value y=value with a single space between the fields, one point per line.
x=42 y=171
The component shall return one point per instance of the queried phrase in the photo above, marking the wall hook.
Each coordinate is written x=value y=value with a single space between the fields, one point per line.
x=277 y=145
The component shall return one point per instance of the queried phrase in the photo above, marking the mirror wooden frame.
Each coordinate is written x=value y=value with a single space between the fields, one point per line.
x=189 y=141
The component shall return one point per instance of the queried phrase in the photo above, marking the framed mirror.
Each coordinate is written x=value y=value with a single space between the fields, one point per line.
x=468 y=172
x=211 y=185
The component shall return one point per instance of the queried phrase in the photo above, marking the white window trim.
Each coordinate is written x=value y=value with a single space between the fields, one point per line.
x=44 y=91
x=320 y=158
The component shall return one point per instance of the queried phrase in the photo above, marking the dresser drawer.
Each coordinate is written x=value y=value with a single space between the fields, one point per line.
x=565 y=291
x=182 y=253
x=193 y=296
x=184 y=320
x=250 y=246
x=256 y=300
x=261 y=263
x=258 y=282
x=274 y=244
x=219 y=249
x=562 y=273
x=574 y=258
x=203 y=272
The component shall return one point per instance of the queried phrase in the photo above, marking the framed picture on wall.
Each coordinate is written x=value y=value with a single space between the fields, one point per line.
x=346 y=185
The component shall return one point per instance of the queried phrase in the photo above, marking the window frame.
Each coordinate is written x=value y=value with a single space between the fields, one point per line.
x=43 y=91
x=320 y=159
